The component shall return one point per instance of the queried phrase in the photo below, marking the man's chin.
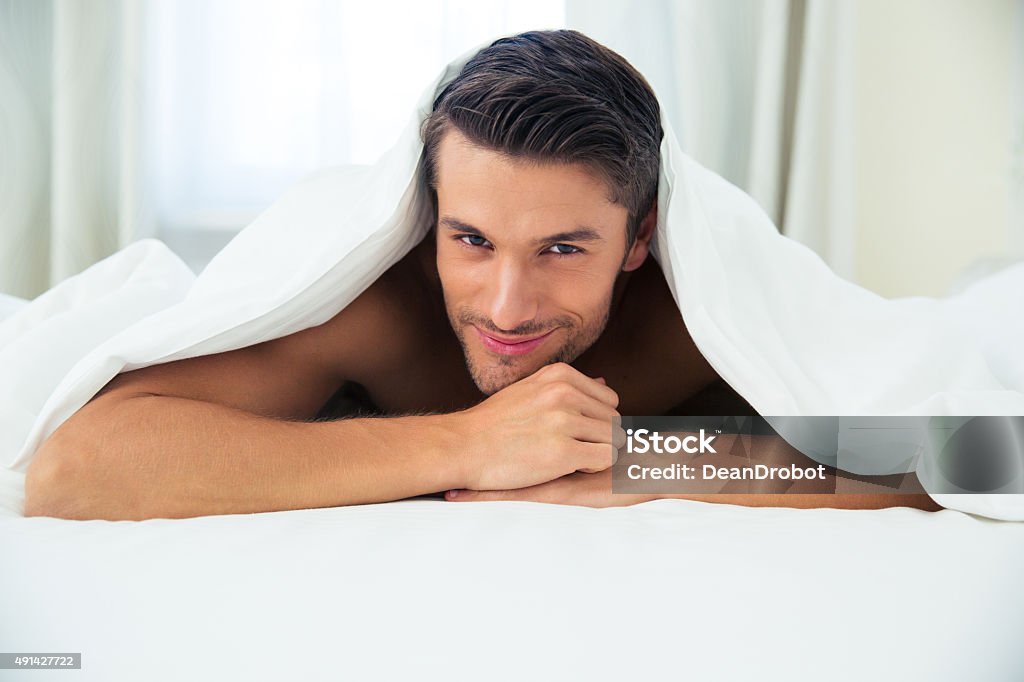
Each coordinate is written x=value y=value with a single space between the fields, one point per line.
x=489 y=384
x=494 y=377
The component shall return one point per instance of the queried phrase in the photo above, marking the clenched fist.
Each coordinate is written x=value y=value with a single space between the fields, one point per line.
x=554 y=422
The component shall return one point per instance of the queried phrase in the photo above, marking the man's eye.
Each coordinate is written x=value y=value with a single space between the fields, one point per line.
x=559 y=252
x=555 y=249
x=471 y=238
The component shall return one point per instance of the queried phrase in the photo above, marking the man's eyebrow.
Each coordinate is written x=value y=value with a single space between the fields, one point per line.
x=580 y=234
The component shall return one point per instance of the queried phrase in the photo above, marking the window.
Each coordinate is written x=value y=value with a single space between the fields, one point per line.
x=246 y=97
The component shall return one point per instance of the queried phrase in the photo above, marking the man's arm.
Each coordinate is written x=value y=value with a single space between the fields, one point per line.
x=169 y=457
x=858 y=491
x=230 y=432
x=816 y=501
x=225 y=433
x=151 y=456
x=595 y=490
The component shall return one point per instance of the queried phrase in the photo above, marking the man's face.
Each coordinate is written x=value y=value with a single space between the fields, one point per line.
x=523 y=250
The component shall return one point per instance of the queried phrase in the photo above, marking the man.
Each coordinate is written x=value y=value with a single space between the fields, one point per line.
x=492 y=358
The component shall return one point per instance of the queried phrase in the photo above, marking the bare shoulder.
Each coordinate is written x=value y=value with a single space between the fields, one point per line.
x=378 y=329
x=678 y=364
x=291 y=376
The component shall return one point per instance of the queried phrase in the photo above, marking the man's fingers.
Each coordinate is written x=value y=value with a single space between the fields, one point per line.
x=600 y=431
x=591 y=430
x=599 y=390
x=561 y=371
x=586 y=407
x=596 y=457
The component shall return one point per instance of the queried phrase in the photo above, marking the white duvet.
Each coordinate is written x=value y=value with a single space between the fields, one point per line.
x=519 y=590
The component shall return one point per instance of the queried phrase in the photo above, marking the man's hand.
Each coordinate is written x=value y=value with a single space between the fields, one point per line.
x=581 y=489
x=555 y=422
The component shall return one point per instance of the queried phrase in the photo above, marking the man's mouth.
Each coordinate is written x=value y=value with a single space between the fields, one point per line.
x=511 y=345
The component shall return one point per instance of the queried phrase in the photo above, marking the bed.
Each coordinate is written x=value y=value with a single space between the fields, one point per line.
x=514 y=590
x=425 y=589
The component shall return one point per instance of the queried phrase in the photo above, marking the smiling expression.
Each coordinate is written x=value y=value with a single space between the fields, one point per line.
x=525 y=249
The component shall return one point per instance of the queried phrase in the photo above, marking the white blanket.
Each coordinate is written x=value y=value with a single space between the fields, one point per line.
x=9 y=305
x=767 y=313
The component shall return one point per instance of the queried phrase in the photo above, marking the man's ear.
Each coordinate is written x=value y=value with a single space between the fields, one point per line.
x=641 y=245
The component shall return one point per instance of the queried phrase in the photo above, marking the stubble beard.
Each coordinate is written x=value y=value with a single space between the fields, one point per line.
x=496 y=372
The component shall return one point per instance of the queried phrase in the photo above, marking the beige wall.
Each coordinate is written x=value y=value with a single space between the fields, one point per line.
x=933 y=140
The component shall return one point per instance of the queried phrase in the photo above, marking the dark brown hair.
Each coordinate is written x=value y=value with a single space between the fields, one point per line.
x=556 y=96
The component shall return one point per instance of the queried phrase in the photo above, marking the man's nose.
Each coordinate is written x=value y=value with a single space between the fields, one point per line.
x=513 y=300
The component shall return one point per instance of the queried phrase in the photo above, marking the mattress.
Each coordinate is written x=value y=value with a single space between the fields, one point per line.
x=425 y=589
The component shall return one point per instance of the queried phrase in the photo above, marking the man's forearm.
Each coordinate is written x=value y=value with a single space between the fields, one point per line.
x=816 y=501
x=774 y=450
x=157 y=456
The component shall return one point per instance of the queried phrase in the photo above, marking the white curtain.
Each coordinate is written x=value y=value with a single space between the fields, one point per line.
x=69 y=135
x=759 y=91
x=1017 y=136
x=122 y=119
x=183 y=119
x=256 y=94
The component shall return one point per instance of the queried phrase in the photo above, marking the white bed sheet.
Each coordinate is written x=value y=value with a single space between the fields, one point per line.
x=424 y=589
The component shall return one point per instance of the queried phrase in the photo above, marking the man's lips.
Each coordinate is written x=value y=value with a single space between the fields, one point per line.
x=514 y=346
